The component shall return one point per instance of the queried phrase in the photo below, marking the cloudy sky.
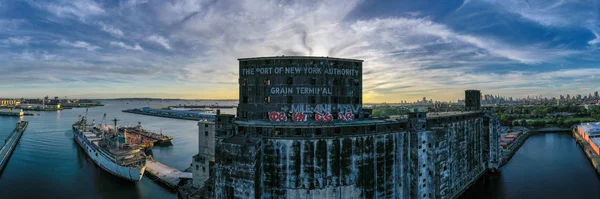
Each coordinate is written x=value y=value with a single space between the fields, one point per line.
x=189 y=49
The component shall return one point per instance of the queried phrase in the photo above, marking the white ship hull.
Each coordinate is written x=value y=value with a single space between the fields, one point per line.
x=105 y=163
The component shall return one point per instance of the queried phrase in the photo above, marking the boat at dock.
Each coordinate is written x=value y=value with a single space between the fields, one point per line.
x=158 y=138
x=110 y=149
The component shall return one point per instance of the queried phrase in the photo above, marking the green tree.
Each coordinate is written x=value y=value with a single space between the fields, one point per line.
x=516 y=123
x=523 y=122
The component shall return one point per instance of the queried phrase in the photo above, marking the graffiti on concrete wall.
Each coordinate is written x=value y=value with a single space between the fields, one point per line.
x=317 y=112
x=277 y=116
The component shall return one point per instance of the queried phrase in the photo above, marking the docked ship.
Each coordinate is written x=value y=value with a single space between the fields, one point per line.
x=159 y=138
x=110 y=150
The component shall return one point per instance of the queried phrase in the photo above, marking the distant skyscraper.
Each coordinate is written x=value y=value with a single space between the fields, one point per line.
x=596 y=95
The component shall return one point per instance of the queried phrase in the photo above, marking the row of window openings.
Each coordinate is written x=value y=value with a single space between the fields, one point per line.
x=289 y=100
x=313 y=81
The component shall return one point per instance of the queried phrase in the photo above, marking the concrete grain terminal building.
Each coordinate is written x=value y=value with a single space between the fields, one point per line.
x=590 y=132
x=301 y=132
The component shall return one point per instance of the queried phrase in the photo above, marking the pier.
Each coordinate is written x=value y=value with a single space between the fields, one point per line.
x=175 y=114
x=16 y=114
x=202 y=106
x=166 y=175
x=11 y=142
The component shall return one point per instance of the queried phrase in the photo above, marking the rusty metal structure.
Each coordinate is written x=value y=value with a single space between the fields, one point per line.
x=301 y=132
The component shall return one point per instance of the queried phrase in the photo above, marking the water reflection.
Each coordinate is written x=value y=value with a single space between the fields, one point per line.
x=548 y=165
x=47 y=163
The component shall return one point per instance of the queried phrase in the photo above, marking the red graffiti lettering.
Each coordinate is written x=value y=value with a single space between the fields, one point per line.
x=299 y=117
x=341 y=116
x=348 y=116
x=324 y=117
x=277 y=116
x=319 y=117
x=328 y=117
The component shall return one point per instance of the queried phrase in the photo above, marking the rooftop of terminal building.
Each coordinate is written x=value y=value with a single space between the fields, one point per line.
x=299 y=57
x=591 y=128
x=313 y=124
x=450 y=114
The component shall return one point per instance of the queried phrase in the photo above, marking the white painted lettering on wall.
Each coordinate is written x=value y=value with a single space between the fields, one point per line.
x=301 y=70
x=301 y=91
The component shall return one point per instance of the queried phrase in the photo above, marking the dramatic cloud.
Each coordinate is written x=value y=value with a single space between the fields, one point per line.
x=160 y=40
x=15 y=41
x=79 y=44
x=112 y=30
x=125 y=46
x=190 y=48
x=67 y=8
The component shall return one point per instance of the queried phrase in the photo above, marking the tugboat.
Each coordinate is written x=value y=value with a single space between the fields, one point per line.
x=110 y=150
x=159 y=138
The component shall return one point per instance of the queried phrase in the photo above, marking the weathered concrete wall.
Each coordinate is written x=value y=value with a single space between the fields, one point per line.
x=367 y=166
x=236 y=175
x=206 y=152
x=422 y=162
x=449 y=157
x=494 y=143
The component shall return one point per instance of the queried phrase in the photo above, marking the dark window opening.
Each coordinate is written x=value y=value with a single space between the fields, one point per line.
x=289 y=99
x=277 y=131
x=356 y=100
x=312 y=99
x=244 y=82
x=334 y=99
x=313 y=81
x=298 y=131
x=290 y=80
x=245 y=99
x=267 y=82
x=205 y=133
x=259 y=130
x=267 y=99
x=317 y=131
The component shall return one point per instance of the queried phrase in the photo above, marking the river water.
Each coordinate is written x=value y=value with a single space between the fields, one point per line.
x=47 y=162
x=549 y=165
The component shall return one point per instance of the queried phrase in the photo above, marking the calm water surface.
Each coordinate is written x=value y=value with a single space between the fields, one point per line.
x=548 y=165
x=48 y=164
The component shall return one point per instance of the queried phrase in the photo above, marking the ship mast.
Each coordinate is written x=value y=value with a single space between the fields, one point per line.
x=116 y=132
x=104 y=120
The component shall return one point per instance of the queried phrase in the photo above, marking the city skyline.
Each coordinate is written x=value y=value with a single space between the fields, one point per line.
x=189 y=49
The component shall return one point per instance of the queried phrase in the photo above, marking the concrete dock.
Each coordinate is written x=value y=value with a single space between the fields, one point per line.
x=165 y=174
x=589 y=152
x=11 y=143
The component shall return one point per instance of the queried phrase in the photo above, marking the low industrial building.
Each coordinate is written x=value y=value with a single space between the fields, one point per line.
x=301 y=132
x=590 y=132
